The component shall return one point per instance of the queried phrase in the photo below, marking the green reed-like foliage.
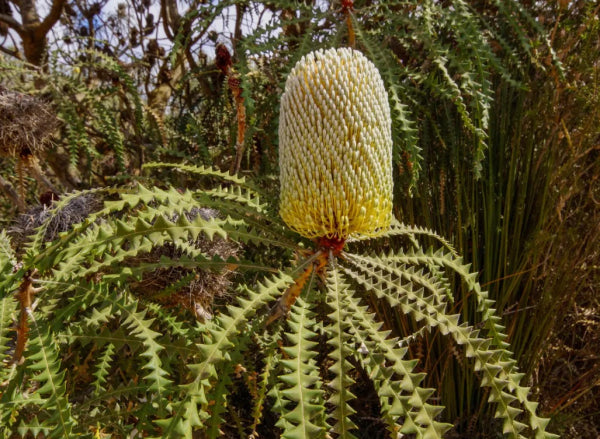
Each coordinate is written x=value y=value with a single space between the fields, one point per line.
x=510 y=222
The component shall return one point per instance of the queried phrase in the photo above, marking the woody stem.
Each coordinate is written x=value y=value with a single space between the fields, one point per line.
x=351 y=36
x=25 y=296
x=287 y=300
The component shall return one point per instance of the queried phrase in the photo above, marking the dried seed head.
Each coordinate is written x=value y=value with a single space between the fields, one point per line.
x=335 y=147
x=26 y=124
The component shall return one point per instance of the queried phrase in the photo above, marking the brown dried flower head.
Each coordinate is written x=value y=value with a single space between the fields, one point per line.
x=26 y=123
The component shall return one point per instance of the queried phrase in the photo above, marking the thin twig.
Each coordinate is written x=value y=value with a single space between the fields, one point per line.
x=285 y=302
x=25 y=297
x=347 y=8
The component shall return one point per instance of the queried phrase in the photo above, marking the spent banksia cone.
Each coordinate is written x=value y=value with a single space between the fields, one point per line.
x=335 y=147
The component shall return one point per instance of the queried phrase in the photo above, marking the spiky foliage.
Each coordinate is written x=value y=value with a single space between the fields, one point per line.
x=87 y=298
x=135 y=365
x=102 y=127
x=509 y=222
x=435 y=61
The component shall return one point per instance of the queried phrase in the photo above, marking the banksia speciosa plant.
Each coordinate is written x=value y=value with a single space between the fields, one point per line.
x=305 y=362
x=335 y=147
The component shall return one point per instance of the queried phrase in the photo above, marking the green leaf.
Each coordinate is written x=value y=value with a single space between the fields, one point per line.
x=44 y=365
x=401 y=397
x=339 y=339
x=219 y=336
x=493 y=360
x=302 y=408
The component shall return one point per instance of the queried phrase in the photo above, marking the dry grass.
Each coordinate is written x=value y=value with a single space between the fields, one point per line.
x=568 y=373
x=570 y=369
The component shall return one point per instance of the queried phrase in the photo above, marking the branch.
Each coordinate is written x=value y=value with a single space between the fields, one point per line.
x=237 y=34
x=15 y=53
x=171 y=18
x=12 y=23
x=25 y=296
x=52 y=17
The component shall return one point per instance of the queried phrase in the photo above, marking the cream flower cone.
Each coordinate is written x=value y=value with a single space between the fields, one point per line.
x=335 y=147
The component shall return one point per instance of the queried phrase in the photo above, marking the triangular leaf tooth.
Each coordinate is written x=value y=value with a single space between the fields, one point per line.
x=407 y=384
x=183 y=222
x=422 y=417
x=509 y=364
x=522 y=392
x=431 y=322
x=514 y=412
x=511 y=426
x=425 y=393
x=141 y=225
x=439 y=309
x=160 y=223
x=489 y=304
x=492 y=369
x=433 y=410
x=396 y=409
x=417 y=398
x=386 y=391
x=537 y=422
x=291 y=393
x=192 y=414
x=532 y=407
x=409 y=427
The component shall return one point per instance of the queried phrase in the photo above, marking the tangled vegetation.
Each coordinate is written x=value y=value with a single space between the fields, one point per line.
x=74 y=296
x=149 y=287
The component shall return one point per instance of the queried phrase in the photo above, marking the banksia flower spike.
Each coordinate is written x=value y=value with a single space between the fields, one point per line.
x=335 y=147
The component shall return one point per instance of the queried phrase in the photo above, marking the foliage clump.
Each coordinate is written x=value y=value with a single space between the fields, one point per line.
x=92 y=271
x=191 y=288
x=487 y=162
